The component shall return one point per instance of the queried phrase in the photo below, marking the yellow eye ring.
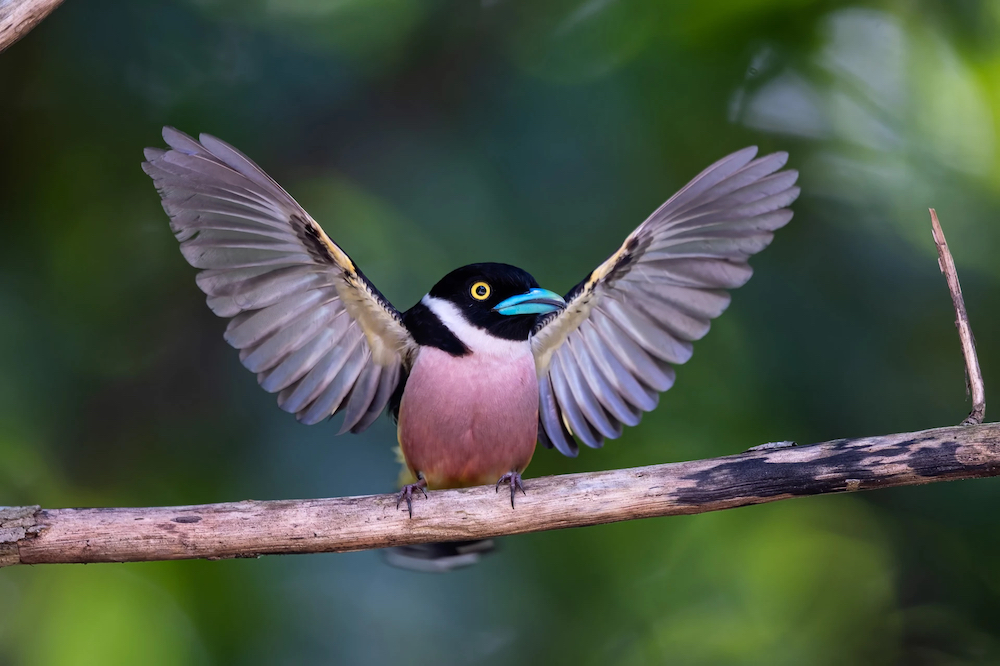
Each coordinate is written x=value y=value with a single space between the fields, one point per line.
x=480 y=291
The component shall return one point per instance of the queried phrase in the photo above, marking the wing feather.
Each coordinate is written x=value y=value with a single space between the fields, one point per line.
x=362 y=394
x=590 y=406
x=604 y=359
x=332 y=396
x=552 y=430
x=387 y=382
x=304 y=317
x=601 y=388
x=575 y=422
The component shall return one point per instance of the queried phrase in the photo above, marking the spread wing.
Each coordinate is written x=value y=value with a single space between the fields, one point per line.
x=302 y=314
x=603 y=361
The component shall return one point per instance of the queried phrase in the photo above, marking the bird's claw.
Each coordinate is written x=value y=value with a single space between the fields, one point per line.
x=514 y=478
x=406 y=493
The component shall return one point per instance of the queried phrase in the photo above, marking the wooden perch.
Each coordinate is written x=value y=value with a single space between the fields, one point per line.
x=19 y=17
x=30 y=535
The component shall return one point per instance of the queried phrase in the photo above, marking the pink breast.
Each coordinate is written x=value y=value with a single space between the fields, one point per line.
x=468 y=420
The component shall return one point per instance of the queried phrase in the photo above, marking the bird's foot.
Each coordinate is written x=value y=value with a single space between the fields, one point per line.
x=407 y=494
x=514 y=479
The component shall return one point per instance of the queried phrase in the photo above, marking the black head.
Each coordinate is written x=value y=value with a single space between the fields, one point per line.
x=477 y=288
x=502 y=300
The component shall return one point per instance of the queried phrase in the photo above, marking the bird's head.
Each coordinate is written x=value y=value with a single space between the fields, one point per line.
x=501 y=299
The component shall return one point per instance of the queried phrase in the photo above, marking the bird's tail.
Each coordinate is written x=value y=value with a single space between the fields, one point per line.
x=439 y=557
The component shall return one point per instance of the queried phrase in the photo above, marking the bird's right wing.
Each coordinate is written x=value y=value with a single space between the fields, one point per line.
x=302 y=314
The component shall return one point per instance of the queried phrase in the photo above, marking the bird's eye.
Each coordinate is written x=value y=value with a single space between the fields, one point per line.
x=481 y=291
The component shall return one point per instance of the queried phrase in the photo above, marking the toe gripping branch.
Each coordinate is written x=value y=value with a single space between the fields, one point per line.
x=407 y=494
x=514 y=478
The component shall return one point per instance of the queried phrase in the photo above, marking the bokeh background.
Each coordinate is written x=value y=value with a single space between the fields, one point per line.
x=429 y=134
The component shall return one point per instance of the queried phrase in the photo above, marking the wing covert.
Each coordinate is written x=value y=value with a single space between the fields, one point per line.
x=303 y=316
x=604 y=359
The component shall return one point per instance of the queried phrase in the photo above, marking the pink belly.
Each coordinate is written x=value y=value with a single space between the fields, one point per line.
x=468 y=420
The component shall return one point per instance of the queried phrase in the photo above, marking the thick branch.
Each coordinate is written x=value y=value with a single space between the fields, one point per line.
x=29 y=535
x=973 y=374
x=18 y=17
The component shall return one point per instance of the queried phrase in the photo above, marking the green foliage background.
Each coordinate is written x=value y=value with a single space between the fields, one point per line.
x=427 y=135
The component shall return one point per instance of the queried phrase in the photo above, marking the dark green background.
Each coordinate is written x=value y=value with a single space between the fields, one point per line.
x=427 y=135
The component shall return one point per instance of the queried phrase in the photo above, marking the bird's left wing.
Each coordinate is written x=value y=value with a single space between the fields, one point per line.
x=302 y=314
x=604 y=360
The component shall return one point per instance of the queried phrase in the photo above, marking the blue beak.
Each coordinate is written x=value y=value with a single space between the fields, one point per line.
x=533 y=301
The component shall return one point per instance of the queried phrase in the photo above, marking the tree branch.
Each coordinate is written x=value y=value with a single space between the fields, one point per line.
x=30 y=535
x=18 y=17
x=973 y=375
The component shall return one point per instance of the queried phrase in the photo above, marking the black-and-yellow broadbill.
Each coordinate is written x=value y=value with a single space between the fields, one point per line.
x=487 y=363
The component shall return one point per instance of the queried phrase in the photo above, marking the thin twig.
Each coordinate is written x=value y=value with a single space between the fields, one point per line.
x=29 y=535
x=18 y=17
x=974 y=376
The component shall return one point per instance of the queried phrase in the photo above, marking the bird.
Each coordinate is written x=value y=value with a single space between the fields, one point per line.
x=487 y=364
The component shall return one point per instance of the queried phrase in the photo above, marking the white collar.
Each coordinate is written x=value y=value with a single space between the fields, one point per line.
x=478 y=340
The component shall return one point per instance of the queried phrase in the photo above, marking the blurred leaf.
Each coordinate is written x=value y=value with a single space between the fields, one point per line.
x=572 y=41
x=372 y=32
x=77 y=616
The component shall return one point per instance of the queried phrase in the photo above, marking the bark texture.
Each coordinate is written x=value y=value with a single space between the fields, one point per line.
x=19 y=17
x=30 y=535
